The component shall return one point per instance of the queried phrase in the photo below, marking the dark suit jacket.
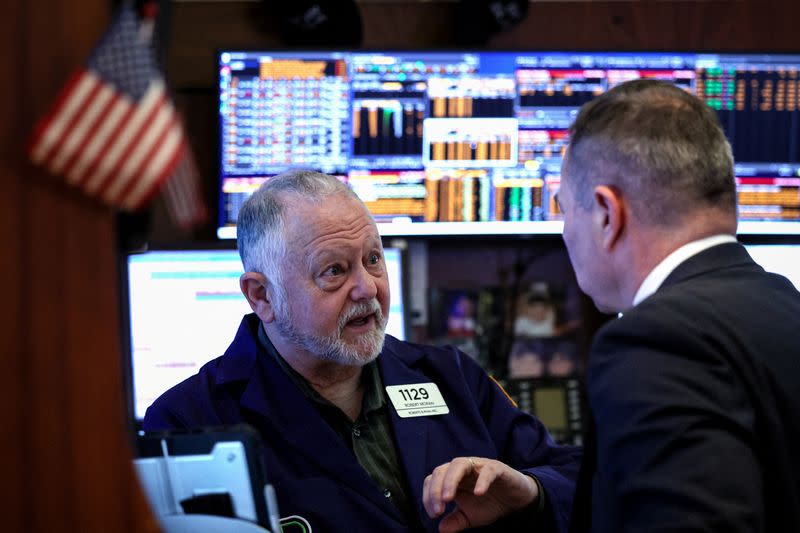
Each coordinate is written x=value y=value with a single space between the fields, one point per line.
x=695 y=394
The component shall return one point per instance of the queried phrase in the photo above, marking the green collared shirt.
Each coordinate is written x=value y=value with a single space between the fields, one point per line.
x=369 y=437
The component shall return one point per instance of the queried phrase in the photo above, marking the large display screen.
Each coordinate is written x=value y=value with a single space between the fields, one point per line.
x=454 y=143
x=184 y=308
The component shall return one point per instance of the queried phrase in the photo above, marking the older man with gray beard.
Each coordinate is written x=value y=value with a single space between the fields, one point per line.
x=362 y=431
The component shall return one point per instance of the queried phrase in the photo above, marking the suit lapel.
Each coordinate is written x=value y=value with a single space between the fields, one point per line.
x=411 y=434
x=725 y=255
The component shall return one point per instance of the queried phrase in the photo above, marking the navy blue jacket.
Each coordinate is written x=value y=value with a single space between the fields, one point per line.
x=318 y=478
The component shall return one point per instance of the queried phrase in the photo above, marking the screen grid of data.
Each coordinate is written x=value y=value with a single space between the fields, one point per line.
x=460 y=142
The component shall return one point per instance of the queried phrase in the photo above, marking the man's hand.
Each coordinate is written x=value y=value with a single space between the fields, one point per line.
x=483 y=490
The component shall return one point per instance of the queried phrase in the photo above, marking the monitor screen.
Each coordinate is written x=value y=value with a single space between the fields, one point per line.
x=556 y=401
x=449 y=143
x=783 y=259
x=184 y=308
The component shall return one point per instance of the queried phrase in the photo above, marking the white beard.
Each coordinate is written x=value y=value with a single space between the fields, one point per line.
x=333 y=347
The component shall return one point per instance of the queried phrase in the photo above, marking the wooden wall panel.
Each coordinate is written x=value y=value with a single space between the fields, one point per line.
x=48 y=436
x=201 y=27
x=12 y=454
x=64 y=450
x=663 y=25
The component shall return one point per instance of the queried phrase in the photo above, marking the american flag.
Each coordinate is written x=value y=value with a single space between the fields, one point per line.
x=114 y=132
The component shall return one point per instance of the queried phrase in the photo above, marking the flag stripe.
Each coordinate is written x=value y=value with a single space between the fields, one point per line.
x=97 y=104
x=166 y=178
x=54 y=133
x=64 y=142
x=127 y=136
x=159 y=140
x=179 y=193
x=175 y=193
x=89 y=158
x=163 y=167
x=183 y=193
x=163 y=164
x=146 y=140
x=36 y=141
x=191 y=192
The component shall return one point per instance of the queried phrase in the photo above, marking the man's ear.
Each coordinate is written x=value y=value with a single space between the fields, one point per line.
x=610 y=214
x=255 y=288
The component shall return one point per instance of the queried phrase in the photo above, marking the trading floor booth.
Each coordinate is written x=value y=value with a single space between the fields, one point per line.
x=461 y=146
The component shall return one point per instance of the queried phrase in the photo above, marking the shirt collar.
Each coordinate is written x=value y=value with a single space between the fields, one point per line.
x=657 y=276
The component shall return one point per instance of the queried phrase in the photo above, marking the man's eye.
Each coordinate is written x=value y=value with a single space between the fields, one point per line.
x=374 y=259
x=335 y=270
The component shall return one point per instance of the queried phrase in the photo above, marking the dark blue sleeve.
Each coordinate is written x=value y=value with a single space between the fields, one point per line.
x=160 y=417
x=193 y=404
x=524 y=443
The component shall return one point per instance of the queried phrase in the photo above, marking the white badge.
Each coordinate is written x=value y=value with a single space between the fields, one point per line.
x=417 y=399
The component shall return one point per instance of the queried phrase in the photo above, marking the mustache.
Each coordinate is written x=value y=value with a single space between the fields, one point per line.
x=361 y=309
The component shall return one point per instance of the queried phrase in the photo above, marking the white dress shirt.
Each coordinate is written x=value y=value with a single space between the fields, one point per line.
x=657 y=276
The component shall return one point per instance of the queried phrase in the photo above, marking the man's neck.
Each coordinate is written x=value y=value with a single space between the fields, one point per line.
x=650 y=246
x=339 y=384
x=347 y=395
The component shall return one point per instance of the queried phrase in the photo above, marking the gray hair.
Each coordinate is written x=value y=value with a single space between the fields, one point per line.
x=260 y=227
x=661 y=146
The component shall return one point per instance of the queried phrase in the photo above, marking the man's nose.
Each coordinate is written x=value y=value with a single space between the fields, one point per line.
x=365 y=286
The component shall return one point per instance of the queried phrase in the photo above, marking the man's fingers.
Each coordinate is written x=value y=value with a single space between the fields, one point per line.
x=459 y=468
x=432 y=491
x=428 y=500
x=453 y=522
x=426 y=491
x=486 y=476
x=473 y=474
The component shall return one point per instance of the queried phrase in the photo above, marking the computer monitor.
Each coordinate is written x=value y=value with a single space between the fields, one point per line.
x=557 y=402
x=183 y=308
x=783 y=259
x=459 y=142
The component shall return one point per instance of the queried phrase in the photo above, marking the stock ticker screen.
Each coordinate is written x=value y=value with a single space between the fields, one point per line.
x=461 y=143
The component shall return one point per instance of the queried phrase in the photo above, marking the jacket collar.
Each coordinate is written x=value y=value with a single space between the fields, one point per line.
x=663 y=269
x=239 y=361
x=411 y=434
x=718 y=257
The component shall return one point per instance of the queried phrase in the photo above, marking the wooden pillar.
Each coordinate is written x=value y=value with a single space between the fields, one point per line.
x=64 y=451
